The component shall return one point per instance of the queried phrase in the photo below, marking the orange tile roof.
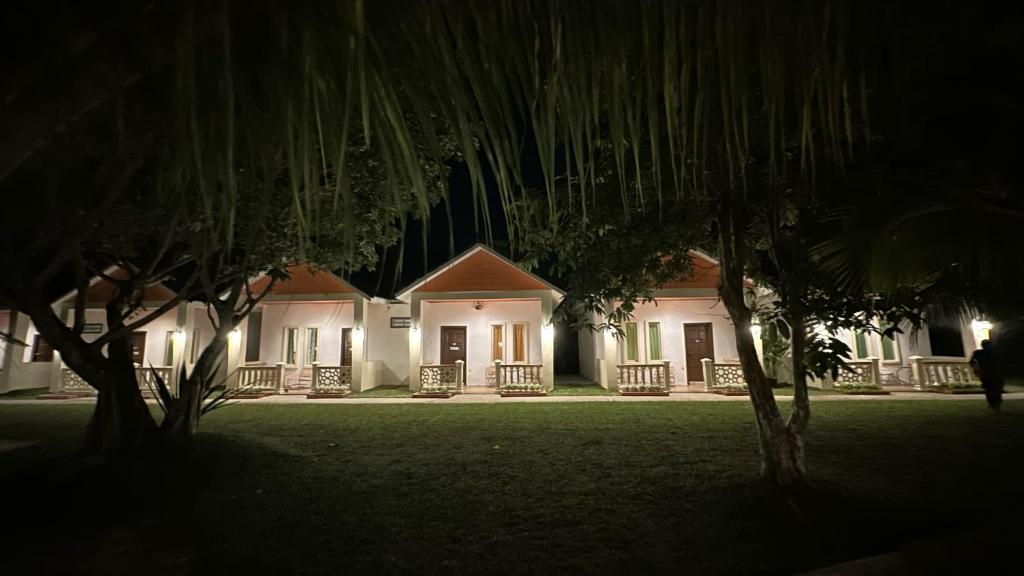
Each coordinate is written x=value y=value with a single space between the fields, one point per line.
x=303 y=281
x=101 y=291
x=482 y=271
x=705 y=275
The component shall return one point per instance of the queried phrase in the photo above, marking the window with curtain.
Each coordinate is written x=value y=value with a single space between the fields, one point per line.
x=253 y=333
x=194 y=350
x=519 y=342
x=654 y=340
x=888 y=346
x=497 y=342
x=312 y=345
x=860 y=345
x=290 y=352
x=632 y=343
x=169 y=349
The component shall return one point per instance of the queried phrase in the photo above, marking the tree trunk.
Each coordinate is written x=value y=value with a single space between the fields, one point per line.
x=798 y=343
x=121 y=421
x=782 y=451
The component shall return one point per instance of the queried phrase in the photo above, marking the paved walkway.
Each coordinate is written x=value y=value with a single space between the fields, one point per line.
x=495 y=399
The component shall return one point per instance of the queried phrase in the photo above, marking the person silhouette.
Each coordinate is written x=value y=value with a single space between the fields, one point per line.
x=986 y=366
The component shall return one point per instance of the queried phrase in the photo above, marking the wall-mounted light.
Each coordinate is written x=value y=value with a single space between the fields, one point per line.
x=548 y=330
x=357 y=334
x=755 y=328
x=980 y=329
x=478 y=306
x=178 y=337
x=235 y=336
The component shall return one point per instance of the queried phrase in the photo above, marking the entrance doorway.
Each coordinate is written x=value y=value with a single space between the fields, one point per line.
x=139 y=348
x=698 y=342
x=453 y=346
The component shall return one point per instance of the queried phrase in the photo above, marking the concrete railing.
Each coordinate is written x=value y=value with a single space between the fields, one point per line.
x=860 y=373
x=331 y=379
x=722 y=374
x=262 y=378
x=939 y=372
x=645 y=377
x=442 y=377
x=518 y=377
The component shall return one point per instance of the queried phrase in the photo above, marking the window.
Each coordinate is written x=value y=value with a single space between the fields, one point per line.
x=312 y=345
x=169 y=349
x=519 y=343
x=497 y=342
x=194 y=352
x=41 y=350
x=253 y=331
x=889 y=347
x=860 y=345
x=632 y=343
x=290 y=350
x=654 y=340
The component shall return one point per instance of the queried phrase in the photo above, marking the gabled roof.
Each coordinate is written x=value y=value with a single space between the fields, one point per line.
x=706 y=271
x=101 y=290
x=305 y=281
x=478 y=269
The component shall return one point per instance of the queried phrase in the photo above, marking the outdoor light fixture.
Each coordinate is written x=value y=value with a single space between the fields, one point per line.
x=977 y=324
x=980 y=330
x=178 y=336
x=549 y=330
x=235 y=335
x=755 y=328
x=357 y=333
x=478 y=306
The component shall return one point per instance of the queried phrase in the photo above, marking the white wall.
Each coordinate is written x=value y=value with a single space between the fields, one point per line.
x=5 y=327
x=433 y=315
x=156 y=332
x=387 y=346
x=329 y=317
x=672 y=314
x=590 y=352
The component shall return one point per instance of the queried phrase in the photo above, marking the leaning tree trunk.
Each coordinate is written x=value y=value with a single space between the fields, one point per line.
x=121 y=422
x=782 y=450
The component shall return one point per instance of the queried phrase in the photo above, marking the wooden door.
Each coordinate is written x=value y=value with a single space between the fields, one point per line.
x=346 y=346
x=453 y=344
x=699 y=343
x=139 y=348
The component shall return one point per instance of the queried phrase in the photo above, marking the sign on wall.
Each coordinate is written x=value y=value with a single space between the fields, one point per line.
x=401 y=321
x=92 y=328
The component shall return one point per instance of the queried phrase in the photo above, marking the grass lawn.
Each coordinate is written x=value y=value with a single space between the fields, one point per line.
x=24 y=393
x=513 y=488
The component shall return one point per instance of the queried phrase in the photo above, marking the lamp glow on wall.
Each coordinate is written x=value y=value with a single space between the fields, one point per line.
x=235 y=336
x=357 y=334
x=178 y=337
x=755 y=328
x=548 y=331
x=981 y=330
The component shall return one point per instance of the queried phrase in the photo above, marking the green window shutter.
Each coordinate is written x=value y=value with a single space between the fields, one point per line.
x=654 y=340
x=632 y=349
x=861 y=345
x=888 y=347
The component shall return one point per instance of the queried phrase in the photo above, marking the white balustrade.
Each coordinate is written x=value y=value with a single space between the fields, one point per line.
x=70 y=381
x=441 y=378
x=261 y=378
x=645 y=377
x=518 y=377
x=937 y=372
x=722 y=374
x=860 y=373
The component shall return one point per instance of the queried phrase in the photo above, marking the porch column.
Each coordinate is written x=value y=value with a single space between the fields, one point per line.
x=607 y=366
x=415 y=350
x=178 y=341
x=547 y=342
x=234 y=357
x=358 y=343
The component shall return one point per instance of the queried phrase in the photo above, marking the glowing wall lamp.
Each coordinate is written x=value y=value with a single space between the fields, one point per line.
x=755 y=328
x=235 y=336
x=357 y=334
x=178 y=337
x=548 y=331
x=981 y=330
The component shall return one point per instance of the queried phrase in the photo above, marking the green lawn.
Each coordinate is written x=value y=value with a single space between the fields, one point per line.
x=24 y=393
x=513 y=488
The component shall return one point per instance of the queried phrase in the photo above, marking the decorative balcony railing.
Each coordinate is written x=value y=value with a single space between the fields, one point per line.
x=645 y=377
x=441 y=378
x=860 y=373
x=261 y=378
x=722 y=374
x=70 y=381
x=146 y=377
x=332 y=379
x=518 y=377
x=936 y=372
